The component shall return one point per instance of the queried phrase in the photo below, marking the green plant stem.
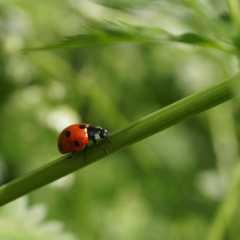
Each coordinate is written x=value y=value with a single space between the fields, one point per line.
x=234 y=9
x=143 y=128
x=227 y=208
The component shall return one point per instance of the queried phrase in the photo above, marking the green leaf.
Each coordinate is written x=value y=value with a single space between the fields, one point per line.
x=194 y=39
x=124 y=32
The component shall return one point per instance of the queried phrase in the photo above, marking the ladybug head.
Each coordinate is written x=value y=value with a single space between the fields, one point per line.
x=104 y=134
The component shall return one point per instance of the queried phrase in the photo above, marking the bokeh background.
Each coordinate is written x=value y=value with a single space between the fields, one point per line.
x=169 y=186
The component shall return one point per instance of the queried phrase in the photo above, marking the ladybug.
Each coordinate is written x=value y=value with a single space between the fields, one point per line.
x=76 y=136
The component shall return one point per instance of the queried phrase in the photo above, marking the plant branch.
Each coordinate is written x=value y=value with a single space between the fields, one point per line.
x=123 y=32
x=141 y=129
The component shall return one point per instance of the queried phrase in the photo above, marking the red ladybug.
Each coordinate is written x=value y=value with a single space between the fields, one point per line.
x=76 y=136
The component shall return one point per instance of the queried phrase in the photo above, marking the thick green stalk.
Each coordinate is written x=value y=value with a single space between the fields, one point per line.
x=143 y=128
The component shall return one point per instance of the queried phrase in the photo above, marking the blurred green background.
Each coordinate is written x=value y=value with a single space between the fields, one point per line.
x=169 y=186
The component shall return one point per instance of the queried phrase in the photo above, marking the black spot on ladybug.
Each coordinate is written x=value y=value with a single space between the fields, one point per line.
x=76 y=143
x=82 y=126
x=60 y=148
x=68 y=133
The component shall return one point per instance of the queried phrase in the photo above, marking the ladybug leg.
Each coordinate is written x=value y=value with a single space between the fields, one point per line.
x=99 y=146
x=85 y=153
x=70 y=157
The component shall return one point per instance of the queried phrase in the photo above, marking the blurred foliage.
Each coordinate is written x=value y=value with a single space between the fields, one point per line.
x=18 y=221
x=168 y=187
x=124 y=32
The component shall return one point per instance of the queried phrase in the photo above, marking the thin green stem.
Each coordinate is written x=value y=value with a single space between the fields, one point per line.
x=234 y=9
x=227 y=208
x=141 y=129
